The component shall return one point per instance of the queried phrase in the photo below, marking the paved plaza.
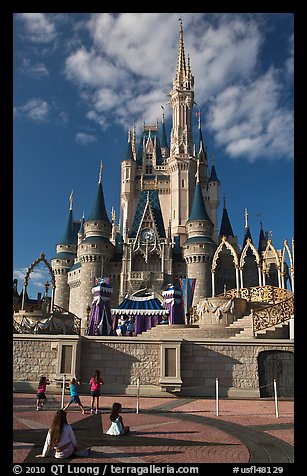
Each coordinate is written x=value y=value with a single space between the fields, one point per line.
x=165 y=430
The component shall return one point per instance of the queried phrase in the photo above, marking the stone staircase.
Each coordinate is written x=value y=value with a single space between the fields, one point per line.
x=240 y=329
x=191 y=332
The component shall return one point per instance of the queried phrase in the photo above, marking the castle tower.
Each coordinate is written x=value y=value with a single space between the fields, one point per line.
x=214 y=199
x=95 y=250
x=199 y=248
x=182 y=100
x=128 y=167
x=181 y=163
x=65 y=254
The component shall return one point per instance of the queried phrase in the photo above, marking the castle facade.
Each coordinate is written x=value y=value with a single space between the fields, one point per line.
x=170 y=197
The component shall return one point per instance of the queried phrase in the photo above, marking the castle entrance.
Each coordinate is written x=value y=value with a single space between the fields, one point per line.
x=278 y=365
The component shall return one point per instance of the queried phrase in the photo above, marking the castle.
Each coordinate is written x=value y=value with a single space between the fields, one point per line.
x=170 y=196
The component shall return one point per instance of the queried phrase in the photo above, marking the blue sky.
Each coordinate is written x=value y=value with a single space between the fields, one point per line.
x=81 y=80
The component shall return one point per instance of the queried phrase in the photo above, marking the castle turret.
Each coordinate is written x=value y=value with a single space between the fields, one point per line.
x=214 y=199
x=199 y=247
x=128 y=183
x=66 y=251
x=164 y=144
x=95 y=250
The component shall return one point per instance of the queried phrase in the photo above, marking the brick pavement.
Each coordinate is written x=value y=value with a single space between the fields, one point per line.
x=166 y=430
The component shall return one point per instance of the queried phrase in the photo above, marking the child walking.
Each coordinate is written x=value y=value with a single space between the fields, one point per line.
x=117 y=426
x=40 y=394
x=95 y=383
x=74 y=395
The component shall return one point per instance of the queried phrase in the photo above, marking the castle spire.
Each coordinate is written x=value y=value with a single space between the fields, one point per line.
x=100 y=173
x=226 y=228
x=99 y=209
x=181 y=65
x=70 y=200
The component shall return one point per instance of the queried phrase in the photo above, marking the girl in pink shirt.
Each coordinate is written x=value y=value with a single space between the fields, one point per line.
x=95 y=383
x=40 y=394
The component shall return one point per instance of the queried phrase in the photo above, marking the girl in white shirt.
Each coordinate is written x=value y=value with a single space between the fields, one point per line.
x=62 y=438
x=117 y=426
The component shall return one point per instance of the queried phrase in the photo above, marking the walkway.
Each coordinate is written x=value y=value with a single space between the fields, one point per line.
x=166 y=430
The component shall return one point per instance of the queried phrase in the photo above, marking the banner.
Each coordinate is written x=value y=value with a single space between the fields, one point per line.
x=187 y=286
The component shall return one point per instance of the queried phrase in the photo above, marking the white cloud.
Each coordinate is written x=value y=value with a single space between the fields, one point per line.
x=35 y=109
x=249 y=122
x=38 y=276
x=34 y=70
x=85 y=139
x=126 y=74
x=38 y=27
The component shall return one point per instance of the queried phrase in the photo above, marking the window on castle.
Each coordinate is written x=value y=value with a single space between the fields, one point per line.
x=182 y=183
x=148 y=169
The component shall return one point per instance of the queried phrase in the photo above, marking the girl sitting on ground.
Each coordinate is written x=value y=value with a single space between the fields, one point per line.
x=117 y=426
x=61 y=437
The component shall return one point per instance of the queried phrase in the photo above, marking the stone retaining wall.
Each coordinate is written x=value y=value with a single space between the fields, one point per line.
x=123 y=360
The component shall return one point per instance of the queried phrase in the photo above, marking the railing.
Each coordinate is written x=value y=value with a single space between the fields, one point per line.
x=281 y=307
x=32 y=326
x=77 y=320
x=270 y=316
x=269 y=294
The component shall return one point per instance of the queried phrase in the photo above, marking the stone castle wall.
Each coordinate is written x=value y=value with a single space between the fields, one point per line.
x=123 y=360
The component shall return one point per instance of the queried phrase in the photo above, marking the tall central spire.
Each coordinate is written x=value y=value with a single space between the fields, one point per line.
x=181 y=66
x=182 y=100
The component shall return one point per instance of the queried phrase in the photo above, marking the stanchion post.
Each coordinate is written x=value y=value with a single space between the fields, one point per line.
x=63 y=390
x=137 y=394
x=275 y=397
x=217 y=396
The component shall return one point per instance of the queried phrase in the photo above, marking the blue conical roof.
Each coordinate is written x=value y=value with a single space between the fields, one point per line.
x=226 y=229
x=99 y=209
x=69 y=238
x=129 y=154
x=198 y=211
x=213 y=175
x=164 y=138
x=262 y=241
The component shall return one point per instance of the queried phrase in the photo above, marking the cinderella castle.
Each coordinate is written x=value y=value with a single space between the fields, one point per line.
x=236 y=326
x=169 y=227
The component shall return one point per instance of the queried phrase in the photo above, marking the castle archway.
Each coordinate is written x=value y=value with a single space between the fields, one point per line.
x=266 y=265
x=216 y=255
x=249 y=245
x=42 y=258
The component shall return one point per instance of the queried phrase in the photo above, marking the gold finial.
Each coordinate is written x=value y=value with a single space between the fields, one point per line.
x=212 y=159
x=129 y=136
x=70 y=200
x=246 y=218
x=100 y=173
x=224 y=198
